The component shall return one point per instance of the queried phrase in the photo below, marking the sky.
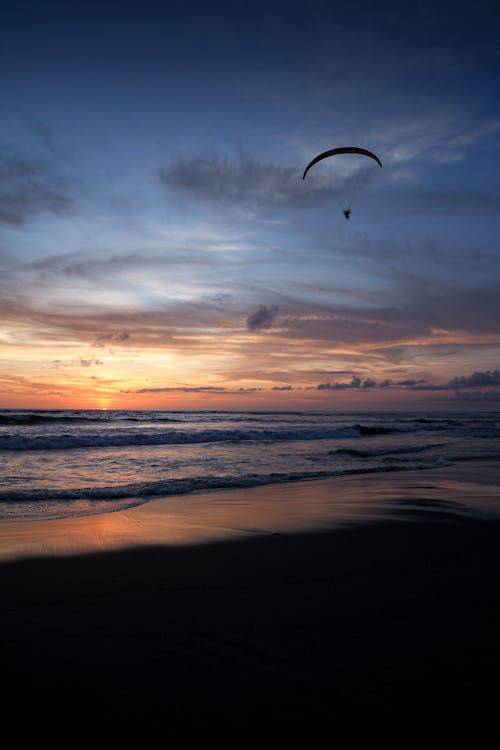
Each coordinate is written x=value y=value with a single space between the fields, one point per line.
x=160 y=249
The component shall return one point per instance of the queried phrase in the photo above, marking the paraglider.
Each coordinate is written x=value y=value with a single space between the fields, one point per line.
x=346 y=210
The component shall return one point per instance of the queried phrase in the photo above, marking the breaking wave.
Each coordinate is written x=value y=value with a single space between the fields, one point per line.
x=25 y=441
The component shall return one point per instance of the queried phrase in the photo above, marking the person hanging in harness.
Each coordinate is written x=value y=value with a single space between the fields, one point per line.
x=347 y=212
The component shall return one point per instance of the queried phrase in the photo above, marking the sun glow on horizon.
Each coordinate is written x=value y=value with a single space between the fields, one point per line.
x=168 y=266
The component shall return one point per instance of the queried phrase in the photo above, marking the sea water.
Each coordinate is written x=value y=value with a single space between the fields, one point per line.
x=56 y=464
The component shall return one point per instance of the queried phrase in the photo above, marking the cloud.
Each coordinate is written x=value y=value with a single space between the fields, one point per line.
x=58 y=364
x=485 y=379
x=250 y=183
x=29 y=186
x=263 y=317
x=488 y=378
x=196 y=389
x=182 y=389
x=111 y=336
x=438 y=136
x=90 y=362
x=353 y=384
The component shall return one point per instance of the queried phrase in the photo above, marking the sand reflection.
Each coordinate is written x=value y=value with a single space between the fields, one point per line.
x=272 y=509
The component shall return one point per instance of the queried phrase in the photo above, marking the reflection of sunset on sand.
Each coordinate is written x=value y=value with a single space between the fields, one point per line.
x=471 y=489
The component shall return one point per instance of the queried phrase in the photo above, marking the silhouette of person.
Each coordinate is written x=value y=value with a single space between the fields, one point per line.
x=347 y=213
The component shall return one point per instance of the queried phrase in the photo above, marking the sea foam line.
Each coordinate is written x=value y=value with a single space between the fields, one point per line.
x=144 y=490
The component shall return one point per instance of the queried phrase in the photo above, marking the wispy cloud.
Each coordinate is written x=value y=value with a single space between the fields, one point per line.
x=29 y=186
x=247 y=182
x=434 y=136
x=196 y=389
x=181 y=389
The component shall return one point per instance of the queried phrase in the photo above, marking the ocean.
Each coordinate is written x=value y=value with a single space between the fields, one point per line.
x=58 y=464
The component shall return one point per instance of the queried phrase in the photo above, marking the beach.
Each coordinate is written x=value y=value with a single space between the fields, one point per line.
x=270 y=612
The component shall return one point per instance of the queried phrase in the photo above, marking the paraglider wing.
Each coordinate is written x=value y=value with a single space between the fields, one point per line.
x=343 y=150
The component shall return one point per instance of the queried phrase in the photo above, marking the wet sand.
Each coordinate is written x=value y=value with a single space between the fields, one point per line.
x=287 y=620
x=321 y=504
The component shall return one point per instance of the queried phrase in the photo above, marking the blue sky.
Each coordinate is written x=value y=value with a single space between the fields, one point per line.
x=159 y=248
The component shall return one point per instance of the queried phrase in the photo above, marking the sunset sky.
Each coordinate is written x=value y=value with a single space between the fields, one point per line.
x=159 y=248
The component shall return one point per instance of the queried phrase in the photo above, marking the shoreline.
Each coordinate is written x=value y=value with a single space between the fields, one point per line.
x=468 y=488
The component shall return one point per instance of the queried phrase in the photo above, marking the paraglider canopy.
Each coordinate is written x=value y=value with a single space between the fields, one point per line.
x=342 y=150
x=346 y=209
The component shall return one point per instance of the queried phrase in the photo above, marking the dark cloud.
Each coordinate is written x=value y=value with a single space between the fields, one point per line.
x=263 y=317
x=487 y=378
x=111 y=336
x=250 y=183
x=353 y=384
x=477 y=379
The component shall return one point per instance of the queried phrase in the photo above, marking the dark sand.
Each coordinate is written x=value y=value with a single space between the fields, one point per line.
x=379 y=633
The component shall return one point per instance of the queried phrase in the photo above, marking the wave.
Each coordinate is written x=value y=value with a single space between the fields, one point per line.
x=119 y=438
x=140 y=492
x=367 y=430
x=35 y=419
x=22 y=441
x=389 y=451
x=29 y=419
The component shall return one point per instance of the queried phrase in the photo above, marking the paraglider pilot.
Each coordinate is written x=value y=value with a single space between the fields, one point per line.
x=347 y=213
